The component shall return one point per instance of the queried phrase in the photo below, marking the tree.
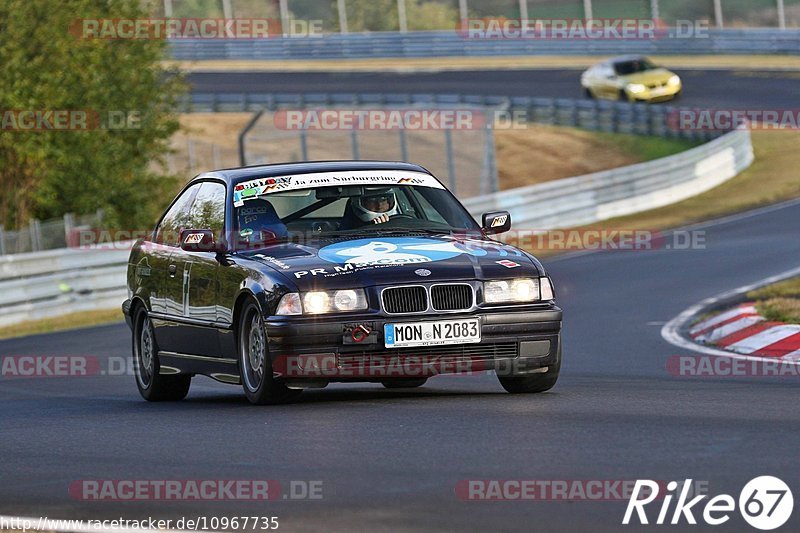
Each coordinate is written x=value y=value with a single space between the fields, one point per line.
x=48 y=65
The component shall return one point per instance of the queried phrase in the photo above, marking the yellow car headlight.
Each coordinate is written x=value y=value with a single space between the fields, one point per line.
x=674 y=80
x=636 y=88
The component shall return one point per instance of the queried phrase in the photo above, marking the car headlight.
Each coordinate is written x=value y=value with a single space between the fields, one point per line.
x=636 y=88
x=320 y=302
x=511 y=291
x=674 y=80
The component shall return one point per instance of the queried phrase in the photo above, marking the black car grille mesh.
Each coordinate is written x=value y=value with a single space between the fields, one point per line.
x=439 y=354
x=405 y=300
x=451 y=297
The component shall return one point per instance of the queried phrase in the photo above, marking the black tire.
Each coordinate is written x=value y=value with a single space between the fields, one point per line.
x=533 y=383
x=152 y=385
x=404 y=383
x=255 y=364
x=589 y=93
x=623 y=96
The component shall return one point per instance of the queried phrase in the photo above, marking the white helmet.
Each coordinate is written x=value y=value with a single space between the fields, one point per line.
x=374 y=203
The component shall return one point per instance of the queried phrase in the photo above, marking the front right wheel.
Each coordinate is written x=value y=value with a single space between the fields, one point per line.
x=255 y=365
x=533 y=383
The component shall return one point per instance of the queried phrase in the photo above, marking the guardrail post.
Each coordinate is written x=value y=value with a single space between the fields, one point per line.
x=654 y=11
x=342 y=8
x=403 y=144
x=243 y=134
x=489 y=161
x=69 y=224
x=587 y=9
x=718 y=13
x=36 y=235
x=401 y=15
x=284 y=8
x=523 y=9
x=463 y=11
x=781 y=15
x=451 y=164
x=304 y=144
x=2 y=240
x=354 y=142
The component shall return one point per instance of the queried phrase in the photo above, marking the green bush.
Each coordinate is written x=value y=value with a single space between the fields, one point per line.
x=48 y=65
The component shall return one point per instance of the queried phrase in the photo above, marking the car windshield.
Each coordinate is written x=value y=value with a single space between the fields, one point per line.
x=625 y=68
x=270 y=210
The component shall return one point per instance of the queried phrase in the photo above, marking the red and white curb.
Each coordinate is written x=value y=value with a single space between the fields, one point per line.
x=740 y=332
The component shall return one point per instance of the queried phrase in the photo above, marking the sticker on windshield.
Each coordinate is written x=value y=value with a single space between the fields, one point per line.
x=253 y=189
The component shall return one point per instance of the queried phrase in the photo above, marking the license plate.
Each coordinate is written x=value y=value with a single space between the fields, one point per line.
x=437 y=333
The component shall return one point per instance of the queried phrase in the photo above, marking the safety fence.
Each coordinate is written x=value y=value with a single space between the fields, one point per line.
x=429 y=44
x=464 y=158
x=598 y=115
x=51 y=234
x=622 y=191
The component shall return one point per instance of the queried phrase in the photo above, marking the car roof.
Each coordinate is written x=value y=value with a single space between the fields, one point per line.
x=234 y=175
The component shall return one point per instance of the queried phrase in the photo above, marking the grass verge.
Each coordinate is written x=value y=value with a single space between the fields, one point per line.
x=542 y=153
x=82 y=319
x=779 y=302
x=772 y=178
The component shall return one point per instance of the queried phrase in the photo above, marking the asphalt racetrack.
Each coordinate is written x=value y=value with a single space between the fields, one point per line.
x=391 y=460
x=739 y=89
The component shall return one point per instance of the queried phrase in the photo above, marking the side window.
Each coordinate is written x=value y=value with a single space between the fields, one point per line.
x=208 y=209
x=177 y=218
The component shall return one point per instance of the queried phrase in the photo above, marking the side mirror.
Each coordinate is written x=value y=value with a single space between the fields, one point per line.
x=496 y=222
x=200 y=240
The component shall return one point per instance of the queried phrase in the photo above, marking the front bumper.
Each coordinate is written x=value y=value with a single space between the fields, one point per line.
x=126 y=310
x=660 y=94
x=512 y=343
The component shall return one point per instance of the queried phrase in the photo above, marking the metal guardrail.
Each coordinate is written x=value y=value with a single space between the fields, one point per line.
x=623 y=191
x=56 y=282
x=597 y=115
x=451 y=43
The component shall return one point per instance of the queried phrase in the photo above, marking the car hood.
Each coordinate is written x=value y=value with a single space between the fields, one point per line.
x=364 y=262
x=659 y=75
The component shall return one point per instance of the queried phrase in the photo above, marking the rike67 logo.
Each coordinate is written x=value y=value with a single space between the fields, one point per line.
x=765 y=503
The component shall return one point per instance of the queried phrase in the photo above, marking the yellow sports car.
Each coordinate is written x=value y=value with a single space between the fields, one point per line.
x=631 y=78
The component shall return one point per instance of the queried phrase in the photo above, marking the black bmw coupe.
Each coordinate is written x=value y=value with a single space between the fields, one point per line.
x=293 y=276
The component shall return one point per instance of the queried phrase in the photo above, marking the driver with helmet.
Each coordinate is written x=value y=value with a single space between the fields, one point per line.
x=375 y=206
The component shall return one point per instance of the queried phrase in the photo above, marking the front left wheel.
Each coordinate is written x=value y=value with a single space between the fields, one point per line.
x=152 y=385
x=255 y=365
